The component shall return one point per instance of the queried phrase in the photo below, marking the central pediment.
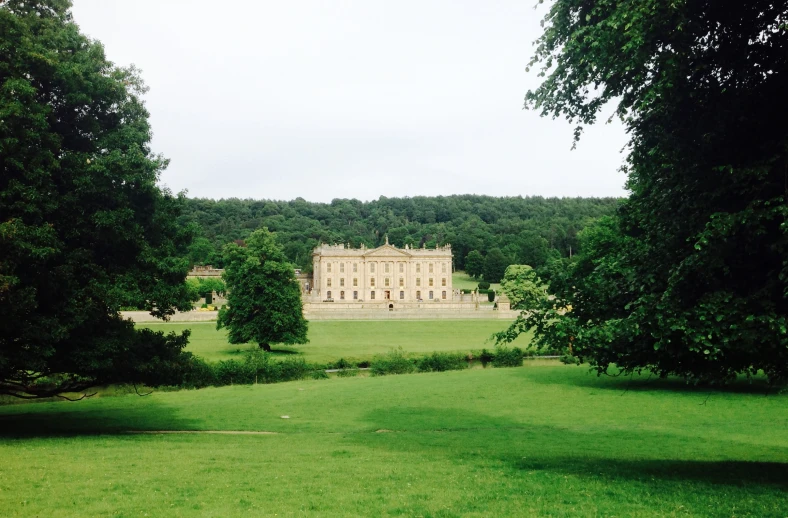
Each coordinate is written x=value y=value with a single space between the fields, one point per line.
x=386 y=251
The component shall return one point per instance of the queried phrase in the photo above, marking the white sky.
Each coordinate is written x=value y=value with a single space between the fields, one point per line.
x=350 y=99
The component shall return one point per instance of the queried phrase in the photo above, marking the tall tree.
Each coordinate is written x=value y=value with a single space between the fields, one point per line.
x=474 y=263
x=264 y=297
x=495 y=264
x=700 y=86
x=84 y=229
x=522 y=286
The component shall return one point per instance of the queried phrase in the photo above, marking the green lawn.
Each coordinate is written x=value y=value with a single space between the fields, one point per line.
x=360 y=339
x=531 y=441
x=462 y=281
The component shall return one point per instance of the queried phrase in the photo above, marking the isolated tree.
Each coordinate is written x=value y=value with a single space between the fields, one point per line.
x=522 y=286
x=495 y=265
x=83 y=226
x=699 y=253
x=264 y=296
x=474 y=263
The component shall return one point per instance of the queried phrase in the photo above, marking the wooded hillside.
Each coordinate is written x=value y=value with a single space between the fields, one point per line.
x=527 y=230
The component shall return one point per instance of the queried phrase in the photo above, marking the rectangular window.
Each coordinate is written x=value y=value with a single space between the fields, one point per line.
x=418 y=281
x=355 y=295
x=401 y=267
x=342 y=281
x=371 y=295
x=341 y=267
x=401 y=282
x=387 y=282
x=430 y=295
x=443 y=281
x=328 y=294
x=355 y=281
x=432 y=283
x=371 y=267
x=430 y=267
x=355 y=267
x=328 y=283
x=418 y=295
x=418 y=267
x=443 y=268
x=328 y=267
x=387 y=267
x=401 y=295
x=372 y=281
x=443 y=294
x=342 y=295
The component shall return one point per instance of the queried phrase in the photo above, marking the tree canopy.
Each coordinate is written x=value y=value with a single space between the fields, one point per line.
x=691 y=276
x=84 y=228
x=522 y=286
x=264 y=297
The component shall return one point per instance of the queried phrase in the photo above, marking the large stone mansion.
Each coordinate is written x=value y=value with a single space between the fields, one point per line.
x=383 y=274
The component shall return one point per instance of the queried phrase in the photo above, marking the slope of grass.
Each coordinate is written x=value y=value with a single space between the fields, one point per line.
x=538 y=441
x=331 y=340
x=462 y=281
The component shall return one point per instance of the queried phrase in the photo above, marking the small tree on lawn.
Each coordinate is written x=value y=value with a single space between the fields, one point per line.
x=522 y=286
x=495 y=265
x=264 y=297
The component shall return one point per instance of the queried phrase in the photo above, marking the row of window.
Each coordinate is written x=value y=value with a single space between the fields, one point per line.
x=386 y=266
x=431 y=295
x=386 y=282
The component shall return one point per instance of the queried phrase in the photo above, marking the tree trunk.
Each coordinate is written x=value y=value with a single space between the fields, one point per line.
x=265 y=347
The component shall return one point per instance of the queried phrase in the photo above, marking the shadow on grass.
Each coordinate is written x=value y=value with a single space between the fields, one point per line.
x=610 y=455
x=84 y=418
x=645 y=383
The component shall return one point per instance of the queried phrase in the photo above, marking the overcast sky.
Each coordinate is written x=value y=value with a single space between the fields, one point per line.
x=350 y=99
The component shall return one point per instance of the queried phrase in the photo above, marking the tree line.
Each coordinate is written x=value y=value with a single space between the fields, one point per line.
x=522 y=230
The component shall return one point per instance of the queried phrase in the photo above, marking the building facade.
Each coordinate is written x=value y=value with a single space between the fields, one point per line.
x=382 y=274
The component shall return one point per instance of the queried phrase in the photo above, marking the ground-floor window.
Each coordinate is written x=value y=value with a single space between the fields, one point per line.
x=328 y=294
x=418 y=295
x=355 y=295
x=430 y=295
x=401 y=295
x=443 y=295
x=342 y=295
x=372 y=295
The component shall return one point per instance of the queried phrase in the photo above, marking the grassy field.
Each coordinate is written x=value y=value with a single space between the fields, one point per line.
x=331 y=340
x=462 y=281
x=531 y=441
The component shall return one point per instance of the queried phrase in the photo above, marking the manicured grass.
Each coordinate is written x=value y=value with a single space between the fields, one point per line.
x=331 y=340
x=462 y=281
x=531 y=441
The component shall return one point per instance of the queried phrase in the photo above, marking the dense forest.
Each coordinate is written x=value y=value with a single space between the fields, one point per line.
x=527 y=230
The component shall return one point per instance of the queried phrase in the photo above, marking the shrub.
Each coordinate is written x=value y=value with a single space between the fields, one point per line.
x=232 y=372
x=491 y=295
x=347 y=373
x=319 y=374
x=198 y=374
x=505 y=357
x=393 y=362
x=484 y=285
x=439 y=362
x=363 y=364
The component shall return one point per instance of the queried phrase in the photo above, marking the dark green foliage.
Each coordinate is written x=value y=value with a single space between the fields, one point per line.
x=393 y=362
x=474 y=264
x=691 y=278
x=469 y=223
x=486 y=357
x=84 y=228
x=506 y=357
x=264 y=299
x=440 y=362
x=491 y=296
x=256 y=367
x=319 y=374
x=348 y=373
x=495 y=265
x=484 y=285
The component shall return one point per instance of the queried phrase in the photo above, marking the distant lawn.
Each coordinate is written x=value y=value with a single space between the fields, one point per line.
x=462 y=281
x=331 y=340
x=531 y=441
